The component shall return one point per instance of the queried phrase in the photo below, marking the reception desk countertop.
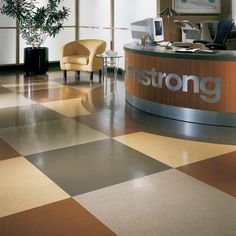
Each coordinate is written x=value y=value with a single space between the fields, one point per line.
x=162 y=52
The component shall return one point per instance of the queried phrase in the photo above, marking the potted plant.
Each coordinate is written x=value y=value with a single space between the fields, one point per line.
x=36 y=22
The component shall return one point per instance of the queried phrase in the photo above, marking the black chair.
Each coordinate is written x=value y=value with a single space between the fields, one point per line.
x=224 y=28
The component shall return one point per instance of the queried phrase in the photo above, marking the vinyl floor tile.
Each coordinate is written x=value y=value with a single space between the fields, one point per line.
x=109 y=122
x=65 y=218
x=54 y=94
x=109 y=97
x=171 y=151
x=4 y=90
x=6 y=151
x=91 y=166
x=9 y=77
x=84 y=86
x=218 y=172
x=24 y=187
x=15 y=116
x=167 y=203
x=69 y=108
x=30 y=86
x=48 y=135
x=13 y=100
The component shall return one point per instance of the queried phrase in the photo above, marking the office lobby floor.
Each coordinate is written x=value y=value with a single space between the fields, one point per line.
x=75 y=159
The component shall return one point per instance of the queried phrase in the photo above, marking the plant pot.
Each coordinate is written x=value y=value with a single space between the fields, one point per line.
x=35 y=60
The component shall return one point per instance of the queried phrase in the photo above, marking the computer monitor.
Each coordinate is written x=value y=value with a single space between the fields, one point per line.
x=158 y=29
x=152 y=27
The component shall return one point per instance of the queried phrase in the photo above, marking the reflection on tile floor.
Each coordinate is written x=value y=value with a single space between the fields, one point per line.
x=13 y=100
x=69 y=108
x=48 y=95
x=15 y=116
x=44 y=136
x=82 y=140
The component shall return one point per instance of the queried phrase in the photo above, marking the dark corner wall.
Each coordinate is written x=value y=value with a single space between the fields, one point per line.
x=172 y=32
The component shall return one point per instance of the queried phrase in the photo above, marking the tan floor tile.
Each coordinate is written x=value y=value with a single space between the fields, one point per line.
x=171 y=151
x=24 y=187
x=69 y=108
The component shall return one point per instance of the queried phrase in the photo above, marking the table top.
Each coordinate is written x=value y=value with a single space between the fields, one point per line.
x=108 y=55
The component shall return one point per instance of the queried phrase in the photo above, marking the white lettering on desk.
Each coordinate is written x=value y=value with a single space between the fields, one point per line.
x=175 y=82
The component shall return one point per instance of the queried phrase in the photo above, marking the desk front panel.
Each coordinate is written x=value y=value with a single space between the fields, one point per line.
x=188 y=83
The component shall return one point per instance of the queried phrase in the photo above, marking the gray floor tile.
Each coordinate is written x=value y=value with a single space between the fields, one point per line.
x=91 y=166
x=167 y=203
x=48 y=135
x=15 y=116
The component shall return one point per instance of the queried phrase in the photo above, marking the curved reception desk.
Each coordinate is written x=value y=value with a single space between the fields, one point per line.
x=196 y=87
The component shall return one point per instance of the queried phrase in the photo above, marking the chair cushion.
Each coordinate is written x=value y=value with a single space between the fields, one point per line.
x=76 y=59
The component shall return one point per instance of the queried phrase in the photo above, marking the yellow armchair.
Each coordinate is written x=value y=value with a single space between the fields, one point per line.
x=80 y=55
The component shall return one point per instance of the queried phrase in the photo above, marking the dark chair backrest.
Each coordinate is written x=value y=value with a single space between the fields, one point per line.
x=224 y=28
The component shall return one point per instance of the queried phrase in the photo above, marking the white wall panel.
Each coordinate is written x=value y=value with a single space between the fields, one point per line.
x=94 y=13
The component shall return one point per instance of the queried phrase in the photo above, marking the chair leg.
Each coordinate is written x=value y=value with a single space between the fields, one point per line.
x=100 y=76
x=65 y=76
x=78 y=75
x=91 y=77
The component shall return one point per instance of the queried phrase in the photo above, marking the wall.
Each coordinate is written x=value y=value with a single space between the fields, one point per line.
x=172 y=32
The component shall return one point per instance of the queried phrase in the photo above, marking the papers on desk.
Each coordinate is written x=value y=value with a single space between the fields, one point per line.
x=192 y=50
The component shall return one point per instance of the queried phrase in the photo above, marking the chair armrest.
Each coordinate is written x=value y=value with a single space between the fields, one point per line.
x=216 y=46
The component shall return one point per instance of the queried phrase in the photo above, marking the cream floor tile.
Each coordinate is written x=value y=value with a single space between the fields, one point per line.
x=14 y=100
x=32 y=86
x=69 y=108
x=171 y=151
x=24 y=187
x=168 y=203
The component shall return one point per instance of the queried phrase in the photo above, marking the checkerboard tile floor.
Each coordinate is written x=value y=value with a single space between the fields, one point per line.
x=76 y=159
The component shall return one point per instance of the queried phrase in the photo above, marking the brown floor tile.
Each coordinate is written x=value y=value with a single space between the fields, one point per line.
x=218 y=172
x=53 y=94
x=65 y=218
x=6 y=151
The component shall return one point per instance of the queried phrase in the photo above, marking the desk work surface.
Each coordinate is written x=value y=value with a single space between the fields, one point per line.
x=218 y=55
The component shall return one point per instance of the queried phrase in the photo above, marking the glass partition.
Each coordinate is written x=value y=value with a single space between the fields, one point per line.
x=7 y=46
x=94 y=16
x=95 y=19
x=130 y=11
